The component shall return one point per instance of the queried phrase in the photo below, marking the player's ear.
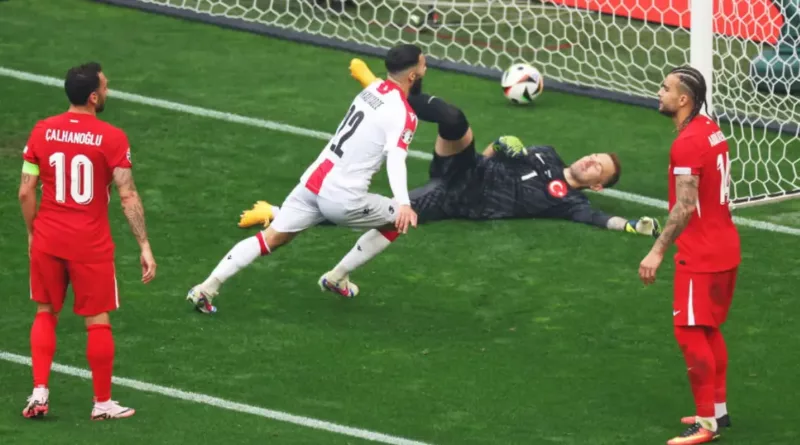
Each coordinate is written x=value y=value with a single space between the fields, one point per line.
x=94 y=98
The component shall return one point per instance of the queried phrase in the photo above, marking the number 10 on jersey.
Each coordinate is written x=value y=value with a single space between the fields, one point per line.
x=351 y=123
x=80 y=177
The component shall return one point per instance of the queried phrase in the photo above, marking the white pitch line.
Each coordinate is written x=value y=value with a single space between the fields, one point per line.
x=224 y=404
x=291 y=129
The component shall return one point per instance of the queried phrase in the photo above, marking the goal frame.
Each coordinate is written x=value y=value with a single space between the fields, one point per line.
x=701 y=55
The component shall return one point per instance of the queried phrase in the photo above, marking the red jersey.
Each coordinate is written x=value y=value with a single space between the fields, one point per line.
x=710 y=242
x=76 y=154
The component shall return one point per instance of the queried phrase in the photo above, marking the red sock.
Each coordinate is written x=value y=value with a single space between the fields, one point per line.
x=720 y=351
x=701 y=366
x=100 y=353
x=43 y=346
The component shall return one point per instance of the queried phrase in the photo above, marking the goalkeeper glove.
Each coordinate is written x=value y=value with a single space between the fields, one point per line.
x=510 y=146
x=645 y=226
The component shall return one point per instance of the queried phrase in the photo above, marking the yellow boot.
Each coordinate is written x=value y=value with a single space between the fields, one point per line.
x=261 y=213
x=361 y=72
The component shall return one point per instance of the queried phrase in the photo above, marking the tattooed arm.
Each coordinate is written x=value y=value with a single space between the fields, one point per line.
x=27 y=199
x=134 y=212
x=685 y=205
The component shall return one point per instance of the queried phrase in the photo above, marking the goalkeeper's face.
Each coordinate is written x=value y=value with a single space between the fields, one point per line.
x=593 y=171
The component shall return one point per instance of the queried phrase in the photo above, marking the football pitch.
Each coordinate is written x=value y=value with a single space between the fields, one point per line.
x=510 y=332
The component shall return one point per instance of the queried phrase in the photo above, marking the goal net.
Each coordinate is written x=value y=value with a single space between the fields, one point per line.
x=620 y=48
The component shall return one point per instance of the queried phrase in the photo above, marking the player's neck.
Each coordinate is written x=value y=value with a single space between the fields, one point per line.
x=680 y=118
x=82 y=110
x=402 y=87
x=571 y=181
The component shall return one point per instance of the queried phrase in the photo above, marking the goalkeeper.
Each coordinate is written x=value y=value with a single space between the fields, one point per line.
x=508 y=180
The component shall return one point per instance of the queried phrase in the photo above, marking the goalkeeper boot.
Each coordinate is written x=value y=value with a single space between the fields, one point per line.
x=694 y=435
x=110 y=410
x=261 y=213
x=38 y=403
x=361 y=72
x=722 y=422
x=342 y=287
x=202 y=299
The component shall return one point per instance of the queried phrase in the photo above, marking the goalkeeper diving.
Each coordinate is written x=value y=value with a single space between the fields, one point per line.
x=507 y=180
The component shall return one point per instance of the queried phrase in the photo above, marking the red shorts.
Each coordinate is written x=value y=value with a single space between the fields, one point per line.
x=94 y=285
x=702 y=299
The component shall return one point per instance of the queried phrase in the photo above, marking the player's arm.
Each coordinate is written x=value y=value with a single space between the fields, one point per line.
x=27 y=193
x=131 y=204
x=686 y=193
x=399 y=135
x=585 y=214
x=134 y=212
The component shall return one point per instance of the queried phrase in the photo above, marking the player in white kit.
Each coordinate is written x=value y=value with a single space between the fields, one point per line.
x=379 y=125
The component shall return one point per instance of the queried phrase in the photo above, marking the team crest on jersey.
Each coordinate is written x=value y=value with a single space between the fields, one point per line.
x=407 y=136
x=557 y=188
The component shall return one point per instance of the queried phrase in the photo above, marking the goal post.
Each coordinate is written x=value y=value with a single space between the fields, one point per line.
x=612 y=49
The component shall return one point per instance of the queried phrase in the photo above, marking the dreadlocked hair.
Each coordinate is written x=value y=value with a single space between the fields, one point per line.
x=693 y=81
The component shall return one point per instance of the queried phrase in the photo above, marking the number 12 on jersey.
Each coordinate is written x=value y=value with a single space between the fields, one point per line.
x=724 y=167
x=351 y=122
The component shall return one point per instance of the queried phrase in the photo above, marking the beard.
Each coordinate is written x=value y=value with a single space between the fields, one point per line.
x=666 y=111
x=100 y=107
x=416 y=87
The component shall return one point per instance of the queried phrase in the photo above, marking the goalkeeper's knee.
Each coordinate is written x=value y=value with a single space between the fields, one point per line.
x=452 y=122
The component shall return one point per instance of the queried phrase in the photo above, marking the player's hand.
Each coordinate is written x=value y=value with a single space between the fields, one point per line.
x=510 y=146
x=405 y=216
x=648 y=267
x=148 y=264
x=644 y=226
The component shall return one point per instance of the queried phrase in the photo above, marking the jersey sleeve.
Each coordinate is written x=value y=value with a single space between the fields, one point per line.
x=585 y=214
x=686 y=157
x=120 y=152
x=400 y=127
x=29 y=153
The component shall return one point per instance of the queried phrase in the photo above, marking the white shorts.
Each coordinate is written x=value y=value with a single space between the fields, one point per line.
x=303 y=209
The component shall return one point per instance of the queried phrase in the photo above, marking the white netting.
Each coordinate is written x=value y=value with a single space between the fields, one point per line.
x=624 y=46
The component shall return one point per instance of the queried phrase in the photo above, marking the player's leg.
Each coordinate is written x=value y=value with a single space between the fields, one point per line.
x=96 y=295
x=721 y=291
x=455 y=134
x=376 y=213
x=48 y=281
x=298 y=212
x=692 y=321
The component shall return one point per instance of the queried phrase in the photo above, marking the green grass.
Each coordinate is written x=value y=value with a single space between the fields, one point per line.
x=512 y=332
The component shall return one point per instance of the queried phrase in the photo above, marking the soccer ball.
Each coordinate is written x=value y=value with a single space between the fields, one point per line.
x=522 y=83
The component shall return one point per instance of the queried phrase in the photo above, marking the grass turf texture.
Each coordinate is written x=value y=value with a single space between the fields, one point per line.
x=510 y=332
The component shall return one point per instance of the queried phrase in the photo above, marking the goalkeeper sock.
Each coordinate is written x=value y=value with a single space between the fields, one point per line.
x=361 y=72
x=367 y=247
x=242 y=254
x=452 y=122
x=701 y=367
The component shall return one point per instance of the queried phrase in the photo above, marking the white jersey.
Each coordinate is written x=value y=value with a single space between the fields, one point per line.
x=379 y=120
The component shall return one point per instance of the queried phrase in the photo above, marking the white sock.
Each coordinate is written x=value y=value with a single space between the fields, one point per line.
x=720 y=409
x=709 y=423
x=367 y=247
x=242 y=254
